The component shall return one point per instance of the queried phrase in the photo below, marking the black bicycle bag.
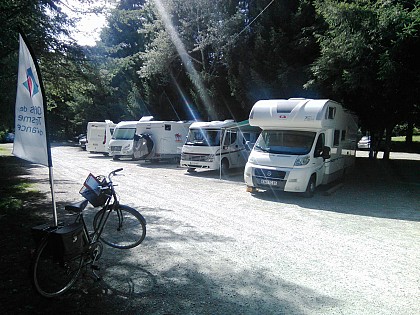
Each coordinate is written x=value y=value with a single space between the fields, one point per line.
x=65 y=242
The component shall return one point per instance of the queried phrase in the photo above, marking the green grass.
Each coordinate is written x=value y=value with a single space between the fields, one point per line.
x=5 y=151
x=416 y=138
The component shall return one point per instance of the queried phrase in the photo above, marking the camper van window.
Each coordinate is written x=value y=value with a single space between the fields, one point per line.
x=230 y=137
x=124 y=133
x=285 y=141
x=319 y=145
x=203 y=137
x=336 y=137
x=168 y=127
x=330 y=114
x=343 y=135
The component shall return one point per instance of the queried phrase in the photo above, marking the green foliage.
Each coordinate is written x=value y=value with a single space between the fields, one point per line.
x=368 y=58
x=212 y=59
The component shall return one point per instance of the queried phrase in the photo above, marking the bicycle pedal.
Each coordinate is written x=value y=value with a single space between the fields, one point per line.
x=95 y=267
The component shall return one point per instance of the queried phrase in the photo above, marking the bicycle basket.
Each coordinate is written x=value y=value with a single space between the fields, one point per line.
x=91 y=190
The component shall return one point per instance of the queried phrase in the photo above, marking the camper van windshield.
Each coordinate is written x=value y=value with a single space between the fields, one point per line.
x=124 y=133
x=203 y=137
x=285 y=142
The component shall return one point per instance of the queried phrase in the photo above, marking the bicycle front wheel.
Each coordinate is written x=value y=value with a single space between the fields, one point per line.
x=125 y=227
x=52 y=276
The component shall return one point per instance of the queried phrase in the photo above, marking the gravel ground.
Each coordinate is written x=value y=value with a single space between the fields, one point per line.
x=212 y=248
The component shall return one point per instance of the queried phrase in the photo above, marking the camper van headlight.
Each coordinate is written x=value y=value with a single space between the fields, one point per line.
x=127 y=147
x=302 y=160
x=210 y=158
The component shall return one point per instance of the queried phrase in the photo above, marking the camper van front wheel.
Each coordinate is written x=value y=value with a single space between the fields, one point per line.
x=225 y=165
x=310 y=189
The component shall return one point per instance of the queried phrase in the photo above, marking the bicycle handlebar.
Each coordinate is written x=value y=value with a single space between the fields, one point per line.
x=116 y=171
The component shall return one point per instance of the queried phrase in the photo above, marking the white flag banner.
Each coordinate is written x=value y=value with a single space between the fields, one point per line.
x=30 y=132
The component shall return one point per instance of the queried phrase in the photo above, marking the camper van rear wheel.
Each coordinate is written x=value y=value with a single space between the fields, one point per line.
x=310 y=189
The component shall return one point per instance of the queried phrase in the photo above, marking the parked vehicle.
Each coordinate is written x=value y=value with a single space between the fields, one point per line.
x=149 y=140
x=9 y=137
x=82 y=141
x=160 y=140
x=304 y=143
x=364 y=143
x=121 y=144
x=218 y=144
x=98 y=136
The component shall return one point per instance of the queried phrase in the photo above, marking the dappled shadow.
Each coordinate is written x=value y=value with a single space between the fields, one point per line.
x=232 y=175
x=377 y=188
x=159 y=165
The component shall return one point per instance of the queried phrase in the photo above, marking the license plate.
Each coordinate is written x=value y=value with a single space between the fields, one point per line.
x=269 y=182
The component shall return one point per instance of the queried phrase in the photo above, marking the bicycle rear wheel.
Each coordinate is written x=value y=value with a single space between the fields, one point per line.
x=52 y=276
x=125 y=227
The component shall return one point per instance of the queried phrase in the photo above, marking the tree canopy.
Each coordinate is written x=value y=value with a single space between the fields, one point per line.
x=212 y=59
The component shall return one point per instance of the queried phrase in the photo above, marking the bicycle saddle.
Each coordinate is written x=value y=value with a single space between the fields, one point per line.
x=76 y=206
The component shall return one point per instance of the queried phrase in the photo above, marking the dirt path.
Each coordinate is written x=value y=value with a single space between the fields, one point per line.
x=212 y=248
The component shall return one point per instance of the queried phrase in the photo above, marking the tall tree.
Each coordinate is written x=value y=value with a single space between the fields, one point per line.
x=368 y=60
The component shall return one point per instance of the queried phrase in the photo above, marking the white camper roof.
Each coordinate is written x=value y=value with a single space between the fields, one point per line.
x=295 y=113
x=127 y=124
x=100 y=123
x=215 y=124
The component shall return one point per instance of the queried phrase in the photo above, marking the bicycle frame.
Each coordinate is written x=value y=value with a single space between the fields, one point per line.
x=108 y=207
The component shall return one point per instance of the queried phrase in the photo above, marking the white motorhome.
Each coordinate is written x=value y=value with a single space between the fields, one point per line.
x=151 y=140
x=304 y=143
x=218 y=145
x=160 y=140
x=121 y=144
x=98 y=136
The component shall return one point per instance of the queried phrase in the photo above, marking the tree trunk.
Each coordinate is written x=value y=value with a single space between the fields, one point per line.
x=409 y=133
x=388 y=138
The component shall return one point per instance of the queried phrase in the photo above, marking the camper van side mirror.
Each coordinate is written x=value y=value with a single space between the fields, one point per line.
x=136 y=137
x=326 y=152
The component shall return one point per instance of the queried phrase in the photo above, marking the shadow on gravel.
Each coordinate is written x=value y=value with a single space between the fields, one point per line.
x=377 y=188
x=232 y=175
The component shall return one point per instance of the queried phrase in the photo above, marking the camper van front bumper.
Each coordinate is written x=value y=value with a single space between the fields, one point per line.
x=293 y=180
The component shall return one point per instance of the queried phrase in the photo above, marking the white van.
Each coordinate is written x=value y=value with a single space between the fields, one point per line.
x=121 y=144
x=149 y=140
x=304 y=143
x=160 y=140
x=218 y=144
x=98 y=136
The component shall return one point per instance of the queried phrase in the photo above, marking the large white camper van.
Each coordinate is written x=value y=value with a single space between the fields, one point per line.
x=121 y=144
x=99 y=135
x=304 y=143
x=218 y=144
x=160 y=140
x=149 y=140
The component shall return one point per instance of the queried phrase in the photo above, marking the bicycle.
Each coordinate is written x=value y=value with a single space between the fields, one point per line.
x=64 y=250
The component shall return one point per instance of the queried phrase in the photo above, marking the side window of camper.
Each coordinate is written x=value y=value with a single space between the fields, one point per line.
x=230 y=137
x=319 y=145
x=343 y=135
x=336 y=137
x=168 y=127
x=330 y=113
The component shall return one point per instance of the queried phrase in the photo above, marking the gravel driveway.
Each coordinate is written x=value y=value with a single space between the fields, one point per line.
x=212 y=248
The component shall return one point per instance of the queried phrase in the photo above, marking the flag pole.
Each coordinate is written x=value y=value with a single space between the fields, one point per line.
x=44 y=101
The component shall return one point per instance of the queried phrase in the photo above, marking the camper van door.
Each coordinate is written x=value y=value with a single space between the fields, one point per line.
x=230 y=145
